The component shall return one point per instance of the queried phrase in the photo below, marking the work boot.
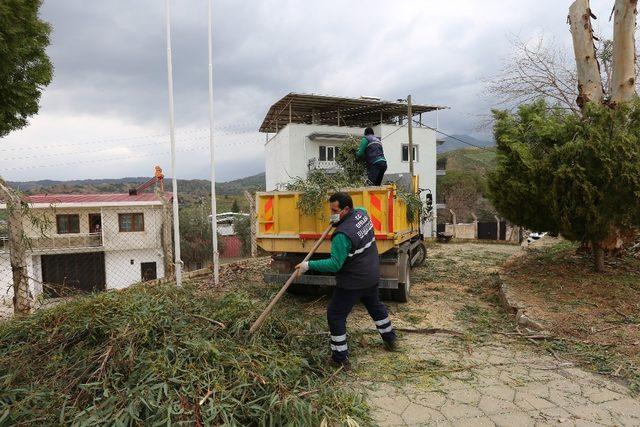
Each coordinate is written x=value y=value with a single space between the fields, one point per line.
x=346 y=364
x=391 y=345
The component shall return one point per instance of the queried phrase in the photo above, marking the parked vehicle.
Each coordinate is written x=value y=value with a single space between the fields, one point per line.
x=288 y=234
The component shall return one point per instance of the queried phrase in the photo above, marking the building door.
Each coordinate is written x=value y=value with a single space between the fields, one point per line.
x=64 y=274
x=95 y=223
x=148 y=271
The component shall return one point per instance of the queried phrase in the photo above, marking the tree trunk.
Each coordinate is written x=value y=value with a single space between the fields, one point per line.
x=598 y=256
x=589 y=80
x=253 y=218
x=623 y=83
x=166 y=236
x=17 y=254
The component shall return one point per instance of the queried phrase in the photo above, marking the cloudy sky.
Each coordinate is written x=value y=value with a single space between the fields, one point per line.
x=105 y=115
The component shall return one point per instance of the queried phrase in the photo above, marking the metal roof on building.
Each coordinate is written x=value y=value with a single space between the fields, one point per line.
x=93 y=198
x=336 y=110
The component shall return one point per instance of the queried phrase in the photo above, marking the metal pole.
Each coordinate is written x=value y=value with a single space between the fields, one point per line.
x=174 y=180
x=214 y=221
x=410 y=129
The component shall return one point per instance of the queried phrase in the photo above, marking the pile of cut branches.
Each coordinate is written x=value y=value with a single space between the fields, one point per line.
x=161 y=355
x=351 y=173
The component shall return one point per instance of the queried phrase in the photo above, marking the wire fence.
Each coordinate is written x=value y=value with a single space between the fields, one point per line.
x=60 y=245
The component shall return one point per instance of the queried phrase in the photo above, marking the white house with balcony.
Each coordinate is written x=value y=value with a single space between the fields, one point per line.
x=305 y=131
x=89 y=242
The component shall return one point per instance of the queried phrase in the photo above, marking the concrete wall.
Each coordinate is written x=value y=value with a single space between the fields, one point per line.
x=113 y=239
x=289 y=151
x=462 y=231
x=121 y=272
x=34 y=272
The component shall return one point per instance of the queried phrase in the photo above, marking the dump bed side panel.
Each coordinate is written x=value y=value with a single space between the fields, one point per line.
x=283 y=228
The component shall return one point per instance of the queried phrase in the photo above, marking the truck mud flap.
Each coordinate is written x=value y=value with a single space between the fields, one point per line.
x=318 y=280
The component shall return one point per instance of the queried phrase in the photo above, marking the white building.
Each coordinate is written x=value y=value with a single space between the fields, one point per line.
x=308 y=129
x=226 y=222
x=89 y=242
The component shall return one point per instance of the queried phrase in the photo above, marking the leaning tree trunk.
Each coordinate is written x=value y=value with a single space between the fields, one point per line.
x=623 y=81
x=589 y=80
x=17 y=255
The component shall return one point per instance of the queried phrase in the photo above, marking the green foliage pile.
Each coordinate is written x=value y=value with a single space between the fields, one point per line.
x=351 y=173
x=315 y=188
x=156 y=356
x=25 y=68
x=559 y=172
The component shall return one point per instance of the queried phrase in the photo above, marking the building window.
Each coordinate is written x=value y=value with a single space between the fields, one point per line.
x=405 y=153
x=68 y=224
x=131 y=222
x=327 y=153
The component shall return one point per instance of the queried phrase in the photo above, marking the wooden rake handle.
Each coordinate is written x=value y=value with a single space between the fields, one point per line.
x=260 y=320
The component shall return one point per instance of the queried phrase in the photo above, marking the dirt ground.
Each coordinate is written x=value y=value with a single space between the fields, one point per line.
x=483 y=377
x=595 y=316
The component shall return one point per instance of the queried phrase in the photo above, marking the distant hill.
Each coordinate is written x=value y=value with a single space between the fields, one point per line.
x=453 y=142
x=190 y=189
x=468 y=159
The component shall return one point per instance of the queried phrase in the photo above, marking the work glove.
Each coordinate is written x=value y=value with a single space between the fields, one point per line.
x=302 y=268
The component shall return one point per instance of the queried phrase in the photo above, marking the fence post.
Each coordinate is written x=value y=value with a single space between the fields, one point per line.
x=21 y=294
x=252 y=217
x=498 y=222
x=475 y=225
x=455 y=221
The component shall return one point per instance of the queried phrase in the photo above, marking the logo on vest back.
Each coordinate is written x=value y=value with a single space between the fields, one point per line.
x=363 y=225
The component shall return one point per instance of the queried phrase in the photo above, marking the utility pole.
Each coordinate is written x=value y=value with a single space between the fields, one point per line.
x=214 y=218
x=410 y=129
x=174 y=180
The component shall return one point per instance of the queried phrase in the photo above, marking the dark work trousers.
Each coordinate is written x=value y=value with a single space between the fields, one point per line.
x=339 y=308
x=375 y=173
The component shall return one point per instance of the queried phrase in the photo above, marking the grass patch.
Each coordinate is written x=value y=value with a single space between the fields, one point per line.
x=480 y=322
x=153 y=355
x=400 y=368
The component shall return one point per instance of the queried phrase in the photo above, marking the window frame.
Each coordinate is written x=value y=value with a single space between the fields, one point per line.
x=416 y=153
x=132 y=215
x=334 y=150
x=67 y=216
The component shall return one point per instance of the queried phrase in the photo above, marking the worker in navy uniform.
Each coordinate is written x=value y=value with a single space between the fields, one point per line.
x=355 y=262
x=371 y=149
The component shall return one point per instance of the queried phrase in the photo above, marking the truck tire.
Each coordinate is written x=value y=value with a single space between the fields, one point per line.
x=419 y=256
x=404 y=286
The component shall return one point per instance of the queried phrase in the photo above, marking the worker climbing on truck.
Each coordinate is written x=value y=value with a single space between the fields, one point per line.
x=371 y=149
x=356 y=264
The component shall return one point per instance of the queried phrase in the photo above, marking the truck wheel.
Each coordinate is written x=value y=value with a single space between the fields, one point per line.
x=419 y=256
x=404 y=287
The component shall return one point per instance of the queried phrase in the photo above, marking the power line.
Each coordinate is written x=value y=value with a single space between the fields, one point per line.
x=120 y=139
x=111 y=159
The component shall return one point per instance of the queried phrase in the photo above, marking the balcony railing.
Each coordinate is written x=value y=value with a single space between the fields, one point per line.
x=66 y=241
x=4 y=244
x=322 y=164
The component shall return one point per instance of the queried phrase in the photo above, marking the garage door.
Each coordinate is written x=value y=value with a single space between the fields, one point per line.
x=64 y=274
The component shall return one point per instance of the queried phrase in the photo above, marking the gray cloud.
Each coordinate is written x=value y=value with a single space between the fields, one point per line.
x=110 y=70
